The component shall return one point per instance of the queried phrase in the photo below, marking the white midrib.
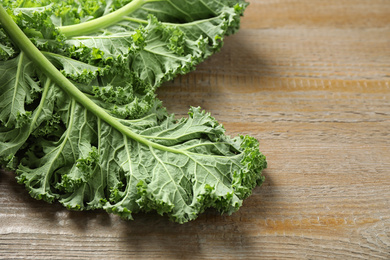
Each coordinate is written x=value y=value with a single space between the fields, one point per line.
x=40 y=106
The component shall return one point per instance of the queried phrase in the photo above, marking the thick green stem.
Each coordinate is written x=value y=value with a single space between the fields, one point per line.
x=104 y=21
x=44 y=65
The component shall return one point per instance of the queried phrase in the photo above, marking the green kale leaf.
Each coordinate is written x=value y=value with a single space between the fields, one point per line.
x=79 y=119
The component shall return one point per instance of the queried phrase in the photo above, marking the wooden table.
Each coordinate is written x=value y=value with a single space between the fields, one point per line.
x=311 y=80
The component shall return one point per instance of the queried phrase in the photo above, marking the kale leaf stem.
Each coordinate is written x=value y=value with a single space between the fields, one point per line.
x=104 y=21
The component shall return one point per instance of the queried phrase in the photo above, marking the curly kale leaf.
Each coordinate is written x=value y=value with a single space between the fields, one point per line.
x=174 y=167
x=152 y=39
x=79 y=119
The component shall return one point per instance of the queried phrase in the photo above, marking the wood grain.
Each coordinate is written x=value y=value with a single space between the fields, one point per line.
x=311 y=80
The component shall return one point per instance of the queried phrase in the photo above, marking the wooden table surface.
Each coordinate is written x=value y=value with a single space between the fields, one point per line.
x=311 y=80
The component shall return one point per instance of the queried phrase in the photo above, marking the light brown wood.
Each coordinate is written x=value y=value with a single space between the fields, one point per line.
x=311 y=80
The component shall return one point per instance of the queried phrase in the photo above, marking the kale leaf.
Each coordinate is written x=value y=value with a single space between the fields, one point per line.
x=79 y=119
